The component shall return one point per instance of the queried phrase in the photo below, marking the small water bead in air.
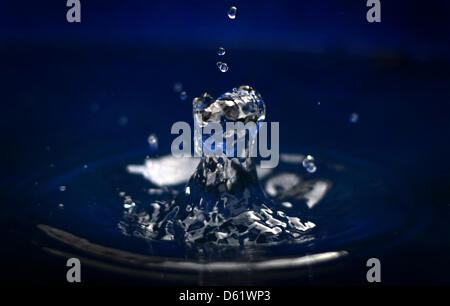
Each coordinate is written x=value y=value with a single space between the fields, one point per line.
x=177 y=87
x=153 y=141
x=222 y=66
x=183 y=95
x=232 y=12
x=221 y=51
x=354 y=117
x=308 y=164
x=62 y=188
x=60 y=206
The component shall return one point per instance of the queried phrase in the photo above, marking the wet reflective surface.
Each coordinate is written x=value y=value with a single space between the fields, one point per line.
x=355 y=209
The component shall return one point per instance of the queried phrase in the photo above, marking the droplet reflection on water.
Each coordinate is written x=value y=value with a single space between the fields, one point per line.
x=223 y=203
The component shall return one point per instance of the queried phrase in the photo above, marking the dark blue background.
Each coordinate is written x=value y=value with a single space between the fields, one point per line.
x=66 y=86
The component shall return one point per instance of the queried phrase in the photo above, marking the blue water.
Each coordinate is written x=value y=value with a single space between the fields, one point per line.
x=95 y=102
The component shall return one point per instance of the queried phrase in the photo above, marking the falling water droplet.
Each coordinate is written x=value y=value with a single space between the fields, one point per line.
x=183 y=95
x=85 y=166
x=354 y=117
x=177 y=87
x=61 y=206
x=221 y=51
x=222 y=66
x=153 y=141
x=232 y=12
x=62 y=188
x=308 y=164
x=318 y=103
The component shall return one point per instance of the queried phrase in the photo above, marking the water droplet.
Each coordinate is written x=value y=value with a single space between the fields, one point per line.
x=308 y=164
x=62 y=188
x=222 y=66
x=128 y=202
x=232 y=12
x=221 y=51
x=85 y=166
x=183 y=95
x=61 y=206
x=153 y=141
x=287 y=204
x=177 y=87
x=318 y=103
x=354 y=117
x=122 y=193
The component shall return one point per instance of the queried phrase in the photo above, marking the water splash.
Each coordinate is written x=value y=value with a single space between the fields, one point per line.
x=223 y=202
x=153 y=141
